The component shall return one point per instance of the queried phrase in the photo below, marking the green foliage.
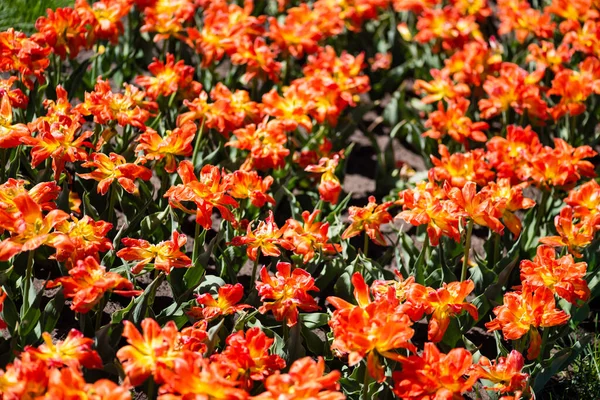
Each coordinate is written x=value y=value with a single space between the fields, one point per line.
x=22 y=14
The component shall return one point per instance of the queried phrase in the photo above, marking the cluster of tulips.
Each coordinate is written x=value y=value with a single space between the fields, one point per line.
x=175 y=219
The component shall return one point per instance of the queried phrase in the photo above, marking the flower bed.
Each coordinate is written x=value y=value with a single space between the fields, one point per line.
x=282 y=200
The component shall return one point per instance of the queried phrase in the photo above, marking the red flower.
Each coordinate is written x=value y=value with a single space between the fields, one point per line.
x=87 y=283
x=74 y=351
x=368 y=218
x=165 y=256
x=149 y=352
x=505 y=373
x=371 y=329
x=310 y=236
x=11 y=134
x=435 y=375
x=63 y=30
x=443 y=303
x=524 y=312
x=289 y=291
x=207 y=192
x=249 y=354
x=109 y=168
x=169 y=78
x=126 y=108
x=177 y=142
x=29 y=228
x=454 y=122
x=226 y=303
x=87 y=237
x=249 y=185
x=479 y=207
x=460 y=168
x=427 y=205
x=265 y=238
x=573 y=235
x=561 y=275
x=330 y=186
x=305 y=380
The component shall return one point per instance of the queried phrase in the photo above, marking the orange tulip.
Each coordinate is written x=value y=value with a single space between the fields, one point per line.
x=249 y=185
x=249 y=354
x=24 y=56
x=88 y=282
x=330 y=186
x=442 y=304
x=480 y=207
x=575 y=236
x=74 y=351
x=126 y=108
x=585 y=200
x=168 y=78
x=11 y=134
x=505 y=373
x=207 y=192
x=427 y=205
x=507 y=200
x=266 y=239
x=109 y=168
x=63 y=30
x=195 y=377
x=24 y=378
x=514 y=88
x=289 y=291
x=309 y=237
x=87 y=237
x=30 y=229
x=368 y=219
x=371 y=329
x=435 y=375
x=562 y=276
x=148 y=352
x=67 y=383
x=44 y=194
x=226 y=303
x=165 y=256
x=305 y=380
x=177 y=142
x=524 y=312
x=460 y=168
x=105 y=17
x=266 y=143
x=454 y=123
x=440 y=88
x=60 y=142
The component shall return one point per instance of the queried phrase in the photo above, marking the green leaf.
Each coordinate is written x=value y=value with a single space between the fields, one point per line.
x=143 y=302
x=314 y=320
x=559 y=361
x=10 y=315
x=52 y=311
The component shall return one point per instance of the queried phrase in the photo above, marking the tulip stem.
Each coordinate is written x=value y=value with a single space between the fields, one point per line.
x=541 y=209
x=254 y=268
x=366 y=379
x=197 y=144
x=366 y=245
x=543 y=346
x=27 y=283
x=463 y=274
x=196 y=244
x=285 y=332
x=111 y=203
x=99 y=312
x=151 y=389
